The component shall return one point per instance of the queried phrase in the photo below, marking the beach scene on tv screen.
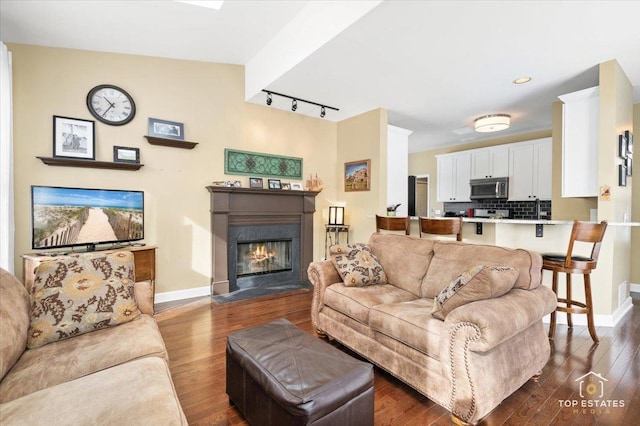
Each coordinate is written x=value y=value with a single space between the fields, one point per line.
x=71 y=216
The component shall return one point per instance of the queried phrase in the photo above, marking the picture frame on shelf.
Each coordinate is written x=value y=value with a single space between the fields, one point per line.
x=255 y=182
x=74 y=138
x=296 y=186
x=286 y=186
x=357 y=175
x=125 y=154
x=166 y=129
x=274 y=184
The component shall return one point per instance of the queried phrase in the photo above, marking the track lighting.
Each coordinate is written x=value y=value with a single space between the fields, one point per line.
x=294 y=102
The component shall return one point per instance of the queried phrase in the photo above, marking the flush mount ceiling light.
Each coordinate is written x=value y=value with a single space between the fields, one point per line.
x=522 y=80
x=492 y=123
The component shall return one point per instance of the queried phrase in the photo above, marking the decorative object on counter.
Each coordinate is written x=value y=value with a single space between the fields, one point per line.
x=391 y=210
x=274 y=184
x=266 y=165
x=357 y=175
x=255 y=182
x=492 y=123
x=124 y=154
x=166 y=129
x=294 y=102
x=336 y=215
x=314 y=183
x=74 y=138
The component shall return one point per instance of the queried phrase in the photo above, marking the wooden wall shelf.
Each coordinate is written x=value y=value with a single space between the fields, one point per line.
x=91 y=164
x=170 y=142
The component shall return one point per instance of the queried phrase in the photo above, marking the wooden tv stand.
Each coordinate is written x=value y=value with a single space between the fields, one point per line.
x=144 y=259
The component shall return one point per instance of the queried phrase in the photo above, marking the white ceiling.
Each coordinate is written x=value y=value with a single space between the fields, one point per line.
x=434 y=65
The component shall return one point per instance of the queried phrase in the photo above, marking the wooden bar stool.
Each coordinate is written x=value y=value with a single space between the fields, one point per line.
x=441 y=227
x=393 y=223
x=569 y=264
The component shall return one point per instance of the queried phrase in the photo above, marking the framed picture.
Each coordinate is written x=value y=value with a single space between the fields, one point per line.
x=74 y=138
x=274 y=184
x=296 y=186
x=622 y=146
x=255 y=182
x=629 y=164
x=166 y=129
x=357 y=175
x=125 y=154
x=629 y=136
x=622 y=175
x=286 y=186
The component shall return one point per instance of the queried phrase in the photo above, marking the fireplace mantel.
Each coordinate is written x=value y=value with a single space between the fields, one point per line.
x=248 y=206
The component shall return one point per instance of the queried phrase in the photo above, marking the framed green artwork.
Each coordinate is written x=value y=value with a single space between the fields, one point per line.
x=258 y=164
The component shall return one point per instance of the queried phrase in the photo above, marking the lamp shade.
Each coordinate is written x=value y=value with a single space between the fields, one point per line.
x=336 y=215
x=492 y=123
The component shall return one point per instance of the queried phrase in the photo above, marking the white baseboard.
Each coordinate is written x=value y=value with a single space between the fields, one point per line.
x=172 y=296
x=598 y=319
x=634 y=288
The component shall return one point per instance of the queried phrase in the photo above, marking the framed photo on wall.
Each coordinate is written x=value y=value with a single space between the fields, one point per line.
x=74 y=138
x=124 y=154
x=166 y=129
x=357 y=176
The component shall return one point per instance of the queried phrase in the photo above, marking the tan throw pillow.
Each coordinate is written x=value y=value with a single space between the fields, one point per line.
x=79 y=293
x=478 y=283
x=357 y=265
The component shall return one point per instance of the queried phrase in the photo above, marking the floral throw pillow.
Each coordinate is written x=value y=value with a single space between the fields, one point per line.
x=357 y=265
x=79 y=293
x=478 y=283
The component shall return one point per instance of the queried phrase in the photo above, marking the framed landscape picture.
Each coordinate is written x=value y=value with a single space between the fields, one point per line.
x=357 y=175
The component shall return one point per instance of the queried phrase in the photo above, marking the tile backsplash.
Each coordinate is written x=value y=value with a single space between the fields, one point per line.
x=518 y=209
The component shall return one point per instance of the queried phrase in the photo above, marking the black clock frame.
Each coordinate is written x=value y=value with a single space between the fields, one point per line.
x=101 y=118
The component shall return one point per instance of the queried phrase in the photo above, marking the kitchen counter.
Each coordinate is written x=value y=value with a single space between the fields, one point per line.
x=528 y=221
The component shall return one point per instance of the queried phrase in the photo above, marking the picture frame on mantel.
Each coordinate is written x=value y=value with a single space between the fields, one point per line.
x=357 y=175
x=74 y=138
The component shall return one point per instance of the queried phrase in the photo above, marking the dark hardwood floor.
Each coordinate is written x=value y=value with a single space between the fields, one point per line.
x=195 y=335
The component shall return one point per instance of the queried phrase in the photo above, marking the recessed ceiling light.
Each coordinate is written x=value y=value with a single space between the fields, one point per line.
x=522 y=80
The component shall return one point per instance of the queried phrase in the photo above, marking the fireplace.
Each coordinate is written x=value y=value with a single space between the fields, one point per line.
x=259 y=237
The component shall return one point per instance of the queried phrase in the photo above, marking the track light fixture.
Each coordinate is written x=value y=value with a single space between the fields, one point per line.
x=294 y=102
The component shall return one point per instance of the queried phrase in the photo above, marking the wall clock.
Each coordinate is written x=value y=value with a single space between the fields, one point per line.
x=111 y=105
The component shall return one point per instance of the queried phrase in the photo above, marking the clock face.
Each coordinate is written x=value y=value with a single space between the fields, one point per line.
x=111 y=105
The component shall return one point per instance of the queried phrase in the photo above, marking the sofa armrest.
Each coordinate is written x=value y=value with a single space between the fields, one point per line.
x=321 y=274
x=501 y=318
x=143 y=292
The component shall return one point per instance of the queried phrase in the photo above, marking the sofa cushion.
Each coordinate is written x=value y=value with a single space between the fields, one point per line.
x=135 y=393
x=410 y=323
x=76 y=294
x=355 y=302
x=405 y=259
x=69 y=359
x=478 y=283
x=14 y=320
x=452 y=258
x=357 y=265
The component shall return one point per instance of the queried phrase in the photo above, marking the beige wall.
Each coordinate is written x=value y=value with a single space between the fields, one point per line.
x=635 y=203
x=208 y=98
x=360 y=138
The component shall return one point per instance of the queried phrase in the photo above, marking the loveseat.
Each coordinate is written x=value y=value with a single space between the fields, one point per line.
x=106 y=365
x=490 y=342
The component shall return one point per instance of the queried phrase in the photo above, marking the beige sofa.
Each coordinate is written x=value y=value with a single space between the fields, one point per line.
x=480 y=354
x=114 y=375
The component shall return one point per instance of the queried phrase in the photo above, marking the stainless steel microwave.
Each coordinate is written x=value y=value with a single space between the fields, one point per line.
x=492 y=188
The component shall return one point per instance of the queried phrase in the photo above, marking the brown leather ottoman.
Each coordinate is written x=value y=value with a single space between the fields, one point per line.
x=279 y=375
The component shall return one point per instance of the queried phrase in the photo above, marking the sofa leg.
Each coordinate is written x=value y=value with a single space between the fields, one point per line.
x=321 y=333
x=535 y=378
x=458 y=421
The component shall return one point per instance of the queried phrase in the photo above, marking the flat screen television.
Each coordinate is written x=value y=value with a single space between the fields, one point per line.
x=68 y=217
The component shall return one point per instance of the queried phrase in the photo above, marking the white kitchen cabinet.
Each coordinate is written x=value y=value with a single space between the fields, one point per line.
x=580 y=115
x=530 y=170
x=490 y=162
x=454 y=173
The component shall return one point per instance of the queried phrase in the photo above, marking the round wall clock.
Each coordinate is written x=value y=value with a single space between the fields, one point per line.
x=111 y=105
